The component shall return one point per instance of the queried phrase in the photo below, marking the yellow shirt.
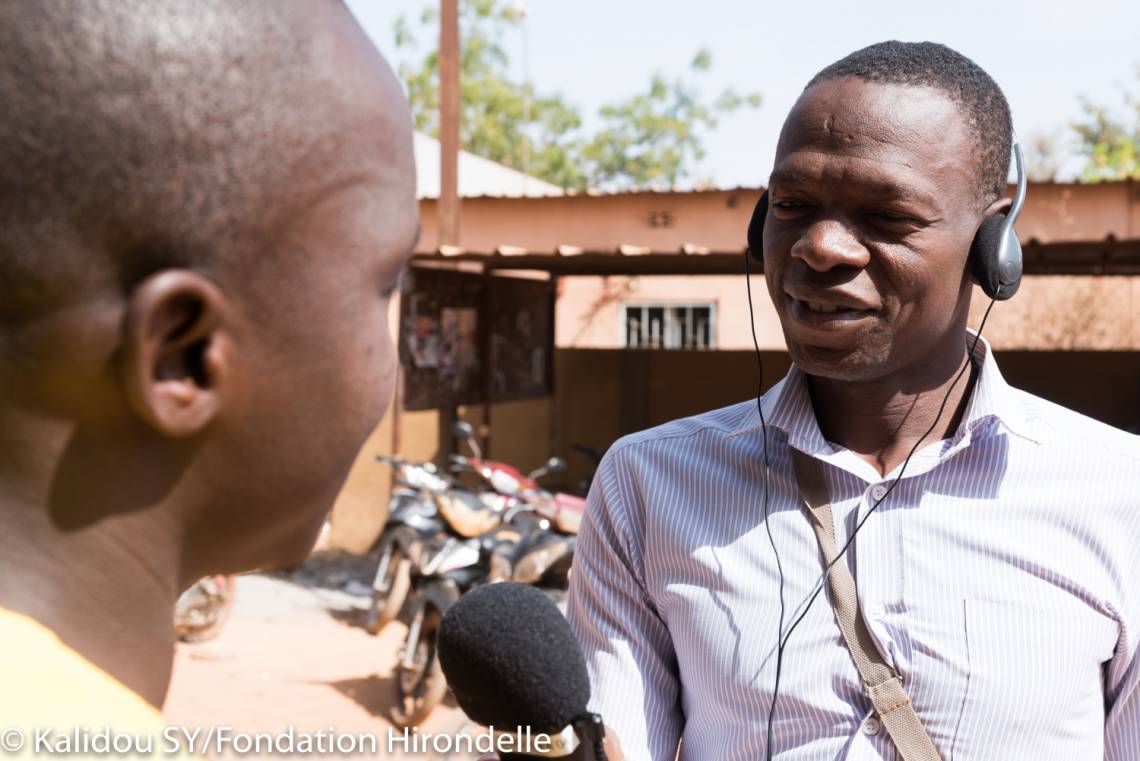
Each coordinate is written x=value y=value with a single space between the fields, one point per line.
x=54 y=702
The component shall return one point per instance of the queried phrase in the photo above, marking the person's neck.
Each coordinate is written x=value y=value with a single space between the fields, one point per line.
x=881 y=421
x=106 y=589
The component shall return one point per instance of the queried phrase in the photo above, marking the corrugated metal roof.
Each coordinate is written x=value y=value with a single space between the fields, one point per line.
x=478 y=177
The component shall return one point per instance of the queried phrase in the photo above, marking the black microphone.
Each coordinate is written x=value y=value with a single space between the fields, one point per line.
x=511 y=661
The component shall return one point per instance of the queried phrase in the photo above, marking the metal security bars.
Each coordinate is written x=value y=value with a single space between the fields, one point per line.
x=669 y=326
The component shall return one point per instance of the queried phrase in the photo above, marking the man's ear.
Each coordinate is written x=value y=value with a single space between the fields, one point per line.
x=1000 y=206
x=179 y=353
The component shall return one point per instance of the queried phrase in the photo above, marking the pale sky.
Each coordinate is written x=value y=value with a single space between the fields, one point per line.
x=1043 y=54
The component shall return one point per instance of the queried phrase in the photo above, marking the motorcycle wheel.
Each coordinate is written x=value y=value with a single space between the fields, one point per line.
x=202 y=623
x=421 y=688
x=389 y=591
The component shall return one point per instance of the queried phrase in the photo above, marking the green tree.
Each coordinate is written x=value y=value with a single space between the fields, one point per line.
x=654 y=137
x=1111 y=145
x=650 y=138
x=492 y=105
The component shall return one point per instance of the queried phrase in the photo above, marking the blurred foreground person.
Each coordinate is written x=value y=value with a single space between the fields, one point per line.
x=204 y=208
x=998 y=578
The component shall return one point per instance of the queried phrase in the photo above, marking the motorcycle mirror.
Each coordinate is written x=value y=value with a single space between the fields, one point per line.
x=553 y=465
x=464 y=429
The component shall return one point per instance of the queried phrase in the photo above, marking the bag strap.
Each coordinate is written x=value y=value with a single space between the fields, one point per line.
x=882 y=683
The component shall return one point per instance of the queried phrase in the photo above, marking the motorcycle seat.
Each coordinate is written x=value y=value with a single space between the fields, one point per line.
x=570 y=510
x=466 y=513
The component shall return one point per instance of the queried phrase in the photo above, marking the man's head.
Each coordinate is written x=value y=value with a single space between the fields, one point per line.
x=204 y=208
x=886 y=166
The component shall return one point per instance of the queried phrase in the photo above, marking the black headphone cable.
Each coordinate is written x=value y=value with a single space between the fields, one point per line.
x=782 y=638
x=767 y=469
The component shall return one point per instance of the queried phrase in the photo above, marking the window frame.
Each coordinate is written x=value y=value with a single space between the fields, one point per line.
x=645 y=304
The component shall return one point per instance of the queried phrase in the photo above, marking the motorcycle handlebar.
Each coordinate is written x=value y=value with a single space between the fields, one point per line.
x=459 y=462
x=516 y=509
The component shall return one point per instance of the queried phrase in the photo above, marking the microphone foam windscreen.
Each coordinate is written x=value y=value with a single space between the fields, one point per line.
x=511 y=660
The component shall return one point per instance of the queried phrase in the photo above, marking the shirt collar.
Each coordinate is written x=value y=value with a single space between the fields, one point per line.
x=993 y=398
x=787 y=406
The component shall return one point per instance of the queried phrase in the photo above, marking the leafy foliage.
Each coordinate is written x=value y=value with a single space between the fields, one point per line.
x=1110 y=145
x=1044 y=154
x=650 y=138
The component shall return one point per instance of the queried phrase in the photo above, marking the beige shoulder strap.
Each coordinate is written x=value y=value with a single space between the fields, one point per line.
x=882 y=684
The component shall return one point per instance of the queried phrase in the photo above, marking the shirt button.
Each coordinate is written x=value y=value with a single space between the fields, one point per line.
x=871 y=725
x=876 y=612
x=878 y=492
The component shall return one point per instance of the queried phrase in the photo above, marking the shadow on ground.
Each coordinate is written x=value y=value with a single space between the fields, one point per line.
x=377 y=694
x=332 y=569
x=340 y=580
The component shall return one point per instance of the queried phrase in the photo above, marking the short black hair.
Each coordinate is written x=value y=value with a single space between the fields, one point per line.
x=929 y=64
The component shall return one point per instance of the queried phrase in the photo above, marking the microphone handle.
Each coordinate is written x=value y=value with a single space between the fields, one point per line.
x=591 y=735
x=581 y=753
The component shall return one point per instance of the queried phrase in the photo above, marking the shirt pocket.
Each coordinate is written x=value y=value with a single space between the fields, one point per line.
x=1035 y=689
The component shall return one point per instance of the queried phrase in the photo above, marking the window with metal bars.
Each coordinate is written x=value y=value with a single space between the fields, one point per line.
x=669 y=326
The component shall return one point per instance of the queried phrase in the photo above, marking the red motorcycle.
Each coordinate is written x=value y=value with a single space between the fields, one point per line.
x=536 y=544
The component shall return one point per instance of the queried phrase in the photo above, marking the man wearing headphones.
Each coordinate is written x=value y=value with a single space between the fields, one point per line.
x=989 y=607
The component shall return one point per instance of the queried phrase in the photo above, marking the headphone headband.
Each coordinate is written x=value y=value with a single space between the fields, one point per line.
x=1009 y=259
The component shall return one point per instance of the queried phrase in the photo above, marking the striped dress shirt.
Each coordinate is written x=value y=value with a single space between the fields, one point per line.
x=1001 y=578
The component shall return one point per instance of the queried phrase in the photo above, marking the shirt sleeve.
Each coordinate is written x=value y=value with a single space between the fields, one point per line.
x=628 y=649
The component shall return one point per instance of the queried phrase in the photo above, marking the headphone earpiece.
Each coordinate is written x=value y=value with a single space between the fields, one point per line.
x=995 y=259
x=986 y=258
x=756 y=228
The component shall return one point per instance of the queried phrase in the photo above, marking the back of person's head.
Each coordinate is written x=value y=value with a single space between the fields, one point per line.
x=204 y=207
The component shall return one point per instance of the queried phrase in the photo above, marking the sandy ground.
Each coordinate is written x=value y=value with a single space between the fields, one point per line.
x=293 y=655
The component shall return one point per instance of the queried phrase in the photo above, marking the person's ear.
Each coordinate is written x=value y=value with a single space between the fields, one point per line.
x=179 y=353
x=1000 y=206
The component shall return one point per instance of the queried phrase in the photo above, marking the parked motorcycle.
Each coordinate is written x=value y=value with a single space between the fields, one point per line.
x=412 y=516
x=202 y=610
x=532 y=540
x=541 y=552
x=426 y=509
x=420 y=685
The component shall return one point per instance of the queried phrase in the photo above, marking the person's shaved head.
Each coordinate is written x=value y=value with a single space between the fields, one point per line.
x=205 y=206
x=139 y=134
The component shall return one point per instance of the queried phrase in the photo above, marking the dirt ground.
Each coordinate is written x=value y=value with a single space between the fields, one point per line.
x=293 y=654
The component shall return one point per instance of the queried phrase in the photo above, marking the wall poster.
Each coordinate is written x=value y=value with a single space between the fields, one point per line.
x=464 y=336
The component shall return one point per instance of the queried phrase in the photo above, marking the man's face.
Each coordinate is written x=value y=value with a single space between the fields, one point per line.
x=872 y=208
